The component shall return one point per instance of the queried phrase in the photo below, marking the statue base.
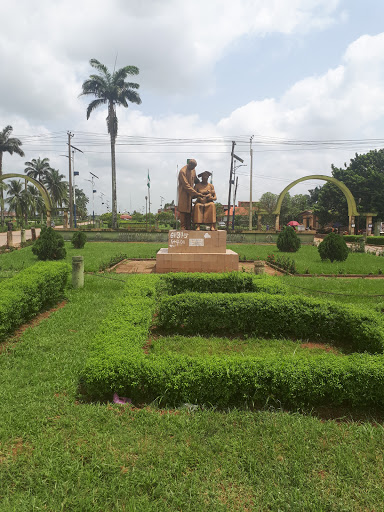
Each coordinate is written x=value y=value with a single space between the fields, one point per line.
x=196 y=251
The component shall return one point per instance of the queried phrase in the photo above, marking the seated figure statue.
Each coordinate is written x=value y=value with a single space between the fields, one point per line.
x=204 y=210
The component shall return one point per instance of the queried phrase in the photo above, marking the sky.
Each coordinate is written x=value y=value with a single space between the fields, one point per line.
x=304 y=79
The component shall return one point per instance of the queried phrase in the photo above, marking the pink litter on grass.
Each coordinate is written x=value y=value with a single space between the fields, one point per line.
x=121 y=399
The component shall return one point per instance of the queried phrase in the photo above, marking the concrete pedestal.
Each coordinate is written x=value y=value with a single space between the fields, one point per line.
x=196 y=251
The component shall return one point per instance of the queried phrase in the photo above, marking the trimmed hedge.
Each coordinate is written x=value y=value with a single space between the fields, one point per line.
x=353 y=238
x=375 y=240
x=29 y=292
x=268 y=316
x=118 y=364
x=231 y=282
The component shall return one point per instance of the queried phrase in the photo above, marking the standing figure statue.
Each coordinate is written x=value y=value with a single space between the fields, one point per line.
x=186 y=181
x=204 y=210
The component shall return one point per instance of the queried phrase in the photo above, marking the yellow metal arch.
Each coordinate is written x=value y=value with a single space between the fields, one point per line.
x=43 y=191
x=352 y=208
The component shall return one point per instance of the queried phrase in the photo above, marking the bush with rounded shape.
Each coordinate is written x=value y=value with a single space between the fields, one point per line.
x=333 y=248
x=288 y=241
x=49 y=245
x=78 y=239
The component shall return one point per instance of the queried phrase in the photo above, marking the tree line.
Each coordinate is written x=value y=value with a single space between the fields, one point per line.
x=24 y=199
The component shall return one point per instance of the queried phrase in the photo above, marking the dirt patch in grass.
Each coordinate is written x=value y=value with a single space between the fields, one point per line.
x=32 y=323
x=321 y=346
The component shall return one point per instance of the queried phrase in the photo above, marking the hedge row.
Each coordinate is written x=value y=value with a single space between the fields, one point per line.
x=29 y=292
x=375 y=240
x=353 y=238
x=265 y=315
x=231 y=282
x=371 y=240
x=119 y=364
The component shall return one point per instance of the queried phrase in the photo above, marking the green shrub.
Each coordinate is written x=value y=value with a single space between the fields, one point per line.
x=231 y=282
x=278 y=316
x=29 y=292
x=288 y=241
x=375 y=240
x=49 y=245
x=282 y=262
x=353 y=238
x=78 y=239
x=333 y=248
x=119 y=364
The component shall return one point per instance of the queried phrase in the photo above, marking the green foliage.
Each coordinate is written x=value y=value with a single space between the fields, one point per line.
x=49 y=245
x=29 y=292
x=119 y=364
x=375 y=240
x=288 y=241
x=333 y=248
x=232 y=282
x=78 y=239
x=266 y=315
x=283 y=263
x=353 y=238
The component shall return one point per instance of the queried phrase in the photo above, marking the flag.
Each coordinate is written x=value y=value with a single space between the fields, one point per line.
x=148 y=181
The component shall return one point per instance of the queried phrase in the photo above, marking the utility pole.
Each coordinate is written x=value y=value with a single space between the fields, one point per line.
x=230 y=183
x=70 y=135
x=75 y=173
x=93 y=195
x=234 y=203
x=250 y=186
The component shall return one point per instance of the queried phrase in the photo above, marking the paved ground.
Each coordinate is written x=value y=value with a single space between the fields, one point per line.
x=16 y=235
x=148 y=267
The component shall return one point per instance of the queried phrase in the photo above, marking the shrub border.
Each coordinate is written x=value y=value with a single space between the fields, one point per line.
x=118 y=364
x=29 y=292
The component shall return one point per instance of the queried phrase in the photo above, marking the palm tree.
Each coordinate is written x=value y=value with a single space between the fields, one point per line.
x=18 y=199
x=7 y=145
x=36 y=202
x=37 y=168
x=57 y=187
x=112 y=90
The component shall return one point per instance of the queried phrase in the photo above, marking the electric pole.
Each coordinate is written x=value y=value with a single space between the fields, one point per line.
x=230 y=183
x=250 y=186
x=70 y=135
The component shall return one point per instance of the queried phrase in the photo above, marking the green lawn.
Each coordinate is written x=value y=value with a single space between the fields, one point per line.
x=97 y=254
x=256 y=347
x=308 y=260
x=57 y=453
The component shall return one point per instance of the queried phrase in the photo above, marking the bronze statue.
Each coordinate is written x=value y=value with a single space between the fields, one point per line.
x=204 y=210
x=186 y=181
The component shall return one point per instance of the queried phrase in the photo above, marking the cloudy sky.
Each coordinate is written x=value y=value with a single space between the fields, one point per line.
x=305 y=78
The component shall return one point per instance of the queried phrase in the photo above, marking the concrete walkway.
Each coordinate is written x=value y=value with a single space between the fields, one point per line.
x=16 y=236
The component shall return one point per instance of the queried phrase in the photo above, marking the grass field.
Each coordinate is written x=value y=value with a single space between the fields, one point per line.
x=97 y=254
x=199 y=346
x=60 y=454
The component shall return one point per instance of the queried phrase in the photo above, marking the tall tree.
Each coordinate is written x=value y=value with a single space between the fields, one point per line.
x=37 y=168
x=81 y=203
x=57 y=188
x=9 y=145
x=112 y=90
x=18 y=199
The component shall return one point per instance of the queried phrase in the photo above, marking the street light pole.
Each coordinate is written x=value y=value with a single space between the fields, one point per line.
x=70 y=135
x=250 y=186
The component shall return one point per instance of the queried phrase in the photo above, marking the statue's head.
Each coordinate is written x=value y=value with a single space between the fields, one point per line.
x=204 y=176
x=191 y=163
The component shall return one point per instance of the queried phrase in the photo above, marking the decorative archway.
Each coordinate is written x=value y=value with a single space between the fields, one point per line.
x=43 y=191
x=352 y=208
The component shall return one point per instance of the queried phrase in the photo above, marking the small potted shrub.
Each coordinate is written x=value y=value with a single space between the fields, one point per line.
x=78 y=239
x=49 y=245
x=288 y=241
x=333 y=248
